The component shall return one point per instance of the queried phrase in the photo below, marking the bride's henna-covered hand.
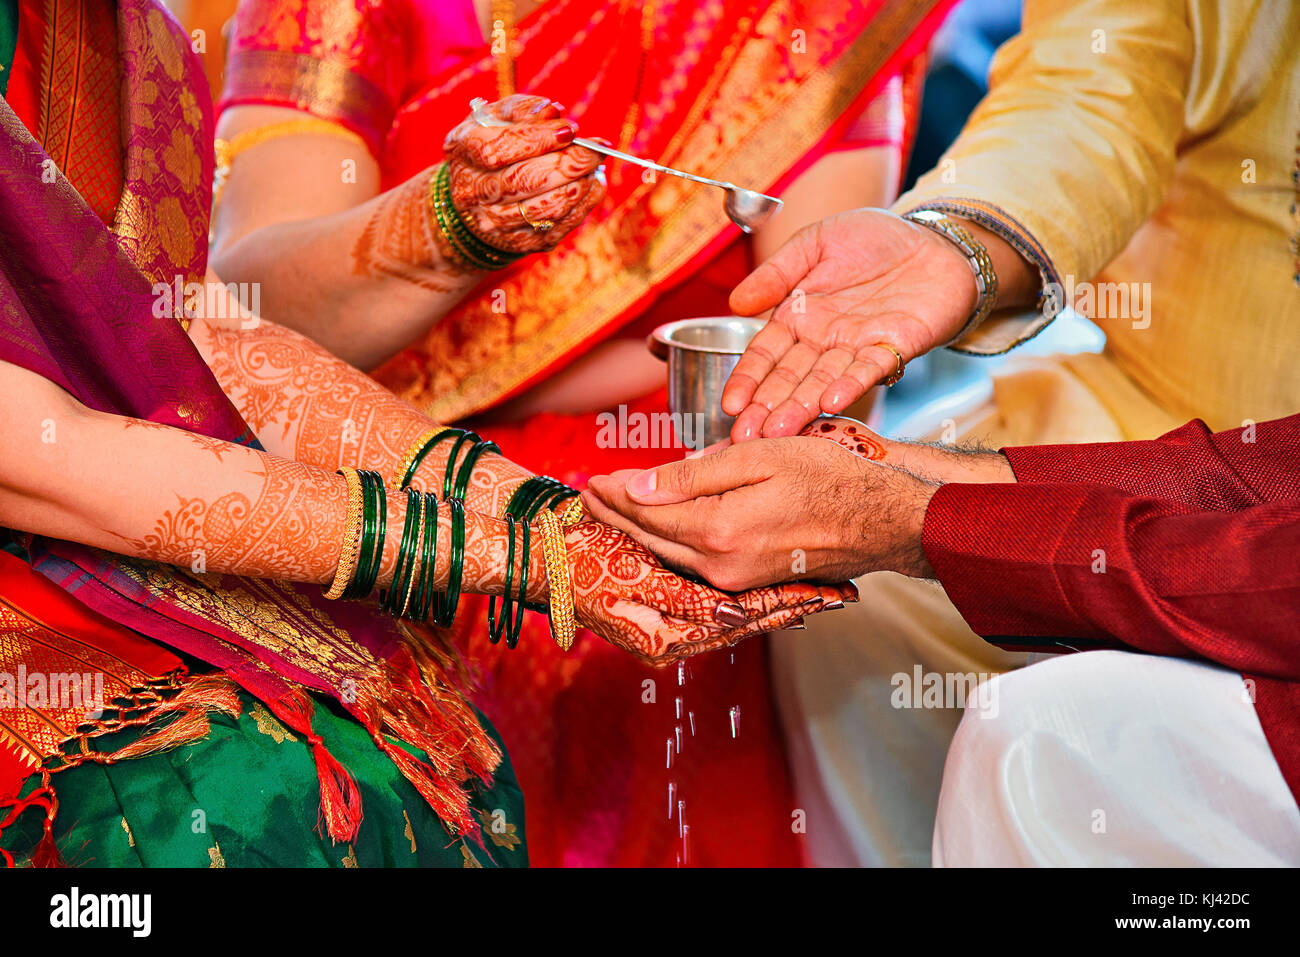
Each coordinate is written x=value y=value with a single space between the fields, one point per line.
x=627 y=597
x=496 y=170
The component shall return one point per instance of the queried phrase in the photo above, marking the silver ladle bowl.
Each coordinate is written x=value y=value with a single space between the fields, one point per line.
x=744 y=207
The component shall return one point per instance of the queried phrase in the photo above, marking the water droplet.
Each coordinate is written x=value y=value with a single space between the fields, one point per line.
x=686 y=845
x=672 y=794
x=735 y=720
x=669 y=765
x=681 y=673
x=678 y=732
x=681 y=818
x=679 y=707
x=691 y=714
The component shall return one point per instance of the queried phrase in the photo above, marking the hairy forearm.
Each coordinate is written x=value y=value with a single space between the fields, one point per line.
x=943 y=464
x=364 y=282
x=310 y=406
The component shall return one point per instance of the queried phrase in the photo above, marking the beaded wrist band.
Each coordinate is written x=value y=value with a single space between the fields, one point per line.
x=564 y=624
x=986 y=278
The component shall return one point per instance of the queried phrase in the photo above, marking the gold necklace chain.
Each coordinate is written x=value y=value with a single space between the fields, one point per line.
x=504 y=38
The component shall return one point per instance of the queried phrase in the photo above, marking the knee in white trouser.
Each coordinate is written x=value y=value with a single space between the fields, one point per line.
x=1020 y=783
x=1110 y=757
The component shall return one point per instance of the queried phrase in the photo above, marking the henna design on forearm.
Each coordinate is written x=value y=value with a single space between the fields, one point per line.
x=317 y=409
x=290 y=531
x=401 y=241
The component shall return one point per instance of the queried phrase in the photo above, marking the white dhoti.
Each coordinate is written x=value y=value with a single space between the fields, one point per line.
x=1108 y=758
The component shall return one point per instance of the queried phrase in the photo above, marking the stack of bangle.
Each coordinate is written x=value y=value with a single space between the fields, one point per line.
x=363 y=537
x=536 y=496
x=419 y=604
x=538 y=493
x=415 y=455
x=455 y=482
x=471 y=250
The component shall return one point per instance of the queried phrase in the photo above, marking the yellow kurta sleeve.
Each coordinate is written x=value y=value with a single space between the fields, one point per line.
x=1074 y=145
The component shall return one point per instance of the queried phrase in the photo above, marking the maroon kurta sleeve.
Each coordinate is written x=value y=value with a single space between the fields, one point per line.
x=1186 y=545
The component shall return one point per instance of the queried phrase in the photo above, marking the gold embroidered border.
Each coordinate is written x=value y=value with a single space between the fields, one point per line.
x=321 y=87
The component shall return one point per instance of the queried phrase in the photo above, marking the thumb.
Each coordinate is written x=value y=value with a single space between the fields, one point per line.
x=768 y=285
x=686 y=480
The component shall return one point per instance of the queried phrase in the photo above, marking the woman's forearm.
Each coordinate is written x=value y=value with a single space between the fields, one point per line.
x=154 y=492
x=307 y=405
x=364 y=282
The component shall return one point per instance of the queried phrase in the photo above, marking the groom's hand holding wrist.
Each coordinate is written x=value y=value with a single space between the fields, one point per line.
x=793 y=508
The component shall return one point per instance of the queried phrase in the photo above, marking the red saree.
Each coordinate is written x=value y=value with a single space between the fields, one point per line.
x=752 y=91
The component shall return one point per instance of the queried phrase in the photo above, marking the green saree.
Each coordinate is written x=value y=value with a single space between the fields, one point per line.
x=246 y=796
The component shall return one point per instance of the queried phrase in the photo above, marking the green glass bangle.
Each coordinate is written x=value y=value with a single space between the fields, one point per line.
x=495 y=626
x=516 y=627
x=553 y=498
x=391 y=601
x=467 y=467
x=480 y=247
x=366 y=580
x=522 y=503
x=368 y=525
x=424 y=452
x=422 y=600
x=447 y=603
x=471 y=247
x=448 y=230
x=448 y=473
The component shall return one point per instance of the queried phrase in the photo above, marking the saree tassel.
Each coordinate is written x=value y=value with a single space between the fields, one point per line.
x=340 y=797
x=46 y=853
x=207 y=694
x=437 y=718
x=448 y=800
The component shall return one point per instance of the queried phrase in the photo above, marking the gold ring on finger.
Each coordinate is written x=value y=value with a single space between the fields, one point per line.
x=899 y=365
x=541 y=225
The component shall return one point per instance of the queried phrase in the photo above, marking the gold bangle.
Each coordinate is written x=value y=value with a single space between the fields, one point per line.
x=412 y=451
x=515 y=488
x=564 y=624
x=350 y=549
x=572 y=513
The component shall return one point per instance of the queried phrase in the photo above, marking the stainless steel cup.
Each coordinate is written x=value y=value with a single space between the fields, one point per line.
x=701 y=354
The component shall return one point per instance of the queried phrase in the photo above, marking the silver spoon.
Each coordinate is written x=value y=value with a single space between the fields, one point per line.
x=744 y=207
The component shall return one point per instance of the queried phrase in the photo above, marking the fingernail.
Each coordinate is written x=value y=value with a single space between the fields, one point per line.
x=797 y=626
x=832 y=605
x=730 y=614
x=643 y=483
x=566 y=134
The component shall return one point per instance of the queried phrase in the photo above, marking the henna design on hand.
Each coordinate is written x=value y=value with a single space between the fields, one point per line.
x=849 y=433
x=625 y=595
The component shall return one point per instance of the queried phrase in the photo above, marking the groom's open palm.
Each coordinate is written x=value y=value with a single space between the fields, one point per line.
x=839 y=288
